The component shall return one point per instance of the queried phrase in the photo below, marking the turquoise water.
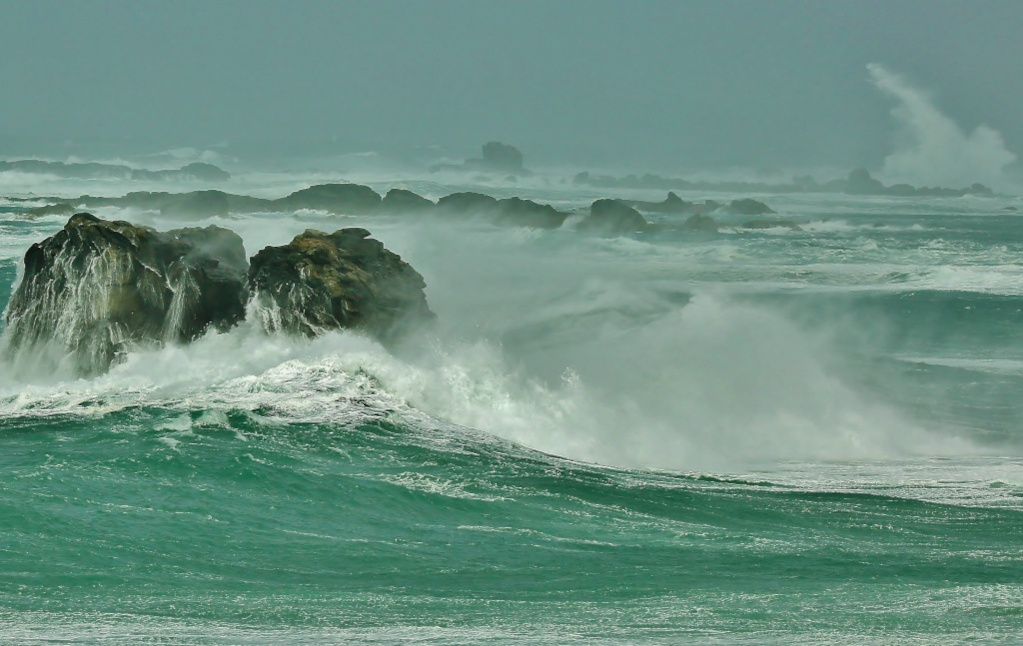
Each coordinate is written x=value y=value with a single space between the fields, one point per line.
x=737 y=438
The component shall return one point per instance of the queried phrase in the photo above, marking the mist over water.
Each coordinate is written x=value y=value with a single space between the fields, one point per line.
x=588 y=348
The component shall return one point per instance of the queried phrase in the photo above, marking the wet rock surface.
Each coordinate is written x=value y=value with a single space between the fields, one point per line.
x=324 y=281
x=97 y=288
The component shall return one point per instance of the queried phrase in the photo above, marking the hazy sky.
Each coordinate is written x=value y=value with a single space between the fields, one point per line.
x=668 y=84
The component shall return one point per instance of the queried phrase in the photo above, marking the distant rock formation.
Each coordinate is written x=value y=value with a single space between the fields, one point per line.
x=748 y=207
x=193 y=205
x=67 y=171
x=516 y=212
x=341 y=199
x=512 y=211
x=674 y=204
x=60 y=208
x=197 y=205
x=467 y=203
x=399 y=200
x=671 y=204
x=497 y=158
x=612 y=217
x=353 y=199
x=345 y=279
x=861 y=183
x=197 y=171
x=96 y=289
x=607 y=216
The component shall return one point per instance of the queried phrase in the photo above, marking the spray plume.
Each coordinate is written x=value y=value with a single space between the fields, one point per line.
x=936 y=150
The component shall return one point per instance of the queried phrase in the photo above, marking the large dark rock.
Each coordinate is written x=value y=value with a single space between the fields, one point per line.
x=613 y=217
x=325 y=281
x=96 y=289
x=349 y=199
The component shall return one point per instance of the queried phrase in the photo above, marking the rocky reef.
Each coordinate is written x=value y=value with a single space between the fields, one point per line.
x=96 y=289
x=859 y=182
x=606 y=216
x=352 y=199
x=197 y=171
x=325 y=281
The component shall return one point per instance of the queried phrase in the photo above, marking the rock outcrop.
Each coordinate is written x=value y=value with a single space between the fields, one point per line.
x=860 y=182
x=197 y=171
x=324 y=281
x=204 y=172
x=612 y=217
x=467 y=204
x=671 y=204
x=351 y=199
x=497 y=158
x=509 y=212
x=399 y=200
x=96 y=289
x=748 y=207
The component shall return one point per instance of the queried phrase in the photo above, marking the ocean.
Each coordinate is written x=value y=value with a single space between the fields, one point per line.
x=784 y=435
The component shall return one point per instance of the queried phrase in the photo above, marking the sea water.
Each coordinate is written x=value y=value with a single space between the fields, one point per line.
x=753 y=436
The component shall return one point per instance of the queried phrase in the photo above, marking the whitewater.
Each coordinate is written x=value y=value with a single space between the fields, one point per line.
x=781 y=435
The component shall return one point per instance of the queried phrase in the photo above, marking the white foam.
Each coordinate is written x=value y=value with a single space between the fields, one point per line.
x=998 y=366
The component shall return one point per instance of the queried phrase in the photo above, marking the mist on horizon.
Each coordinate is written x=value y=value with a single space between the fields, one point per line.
x=917 y=91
